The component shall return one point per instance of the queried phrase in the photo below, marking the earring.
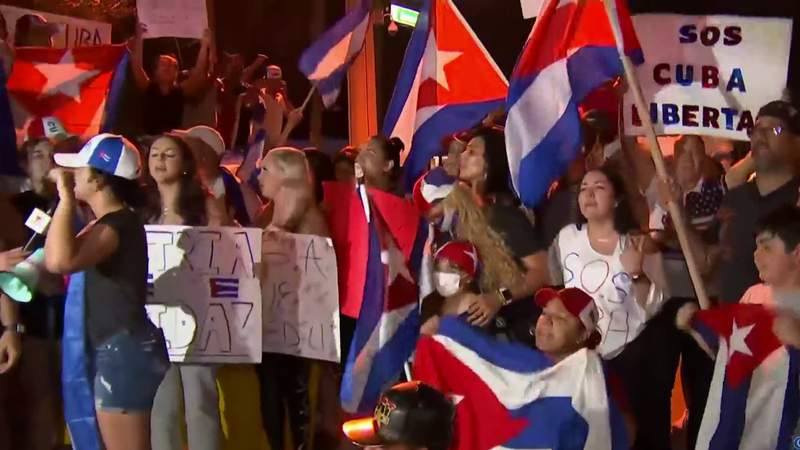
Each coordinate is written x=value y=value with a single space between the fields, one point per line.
x=532 y=331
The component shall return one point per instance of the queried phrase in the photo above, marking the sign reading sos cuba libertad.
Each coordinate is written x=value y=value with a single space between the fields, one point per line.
x=708 y=75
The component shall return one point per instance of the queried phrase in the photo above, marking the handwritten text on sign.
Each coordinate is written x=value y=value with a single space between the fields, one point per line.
x=204 y=292
x=173 y=18
x=73 y=32
x=301 y=296
x=708 y=75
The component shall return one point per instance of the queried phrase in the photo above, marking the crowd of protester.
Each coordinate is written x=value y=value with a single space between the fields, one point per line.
x=604 y=234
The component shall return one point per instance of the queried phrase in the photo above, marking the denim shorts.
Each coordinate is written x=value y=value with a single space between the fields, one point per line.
x=129 y=367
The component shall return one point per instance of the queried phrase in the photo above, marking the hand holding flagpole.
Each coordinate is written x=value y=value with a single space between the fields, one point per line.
x=658 y=157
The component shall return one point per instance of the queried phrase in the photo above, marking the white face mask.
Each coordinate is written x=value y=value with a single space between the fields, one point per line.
x=446 y=283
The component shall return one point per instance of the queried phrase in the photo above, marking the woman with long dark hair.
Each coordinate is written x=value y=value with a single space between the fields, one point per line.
x=177 y=197
x=606 y=255
x=107 y=261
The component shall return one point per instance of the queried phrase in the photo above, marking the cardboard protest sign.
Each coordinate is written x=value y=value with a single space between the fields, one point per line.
x=301 y=296
x=708 y=75
x=204 y=292
x=74 y=32
x=174 y=18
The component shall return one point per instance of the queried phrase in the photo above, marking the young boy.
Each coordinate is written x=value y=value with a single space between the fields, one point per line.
x=750 y=403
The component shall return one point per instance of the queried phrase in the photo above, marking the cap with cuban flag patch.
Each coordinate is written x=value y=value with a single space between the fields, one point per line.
x=107 y=153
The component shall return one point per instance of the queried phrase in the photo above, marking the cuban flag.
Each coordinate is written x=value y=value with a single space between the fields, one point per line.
x=448 y=83
x=151 y=285
x=326 y=62
x=754 y=396
x=509 y=396
x=224 y=287
x=571 y=52
x=388 y=323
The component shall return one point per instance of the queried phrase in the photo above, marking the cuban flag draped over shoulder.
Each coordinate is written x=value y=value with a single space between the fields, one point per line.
x=448 y=83
x=512 y=397
x=388 y=322
x=571 y=51
x=326 y=62
x=754 y=396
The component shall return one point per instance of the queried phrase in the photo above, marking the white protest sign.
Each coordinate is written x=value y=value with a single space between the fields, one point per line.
x=74 y=32
x=301 y=296
x=708 y=75
x=204 y=292
x=173 y=18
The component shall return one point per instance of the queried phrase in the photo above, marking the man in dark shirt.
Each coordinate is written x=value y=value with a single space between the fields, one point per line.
x=775 y=145
x=163 y=95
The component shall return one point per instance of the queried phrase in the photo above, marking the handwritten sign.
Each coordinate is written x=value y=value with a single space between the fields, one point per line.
x=709 y=75
x=73 y=32
x=174 y=18
x=301 y=296
x=204 y=292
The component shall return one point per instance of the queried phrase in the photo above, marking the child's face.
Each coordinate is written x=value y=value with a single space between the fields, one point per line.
x=776 y=264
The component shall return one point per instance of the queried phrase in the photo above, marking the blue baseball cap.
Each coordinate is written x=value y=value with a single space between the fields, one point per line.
x=107 y=153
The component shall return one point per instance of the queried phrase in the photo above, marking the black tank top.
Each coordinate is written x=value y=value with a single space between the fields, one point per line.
x=116 y=289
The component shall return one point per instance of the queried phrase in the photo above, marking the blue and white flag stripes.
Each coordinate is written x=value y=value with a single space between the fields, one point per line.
x=571 y=51
x=328 y=59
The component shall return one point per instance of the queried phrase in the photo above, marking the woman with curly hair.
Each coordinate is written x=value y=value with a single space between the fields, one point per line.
x=490 y=216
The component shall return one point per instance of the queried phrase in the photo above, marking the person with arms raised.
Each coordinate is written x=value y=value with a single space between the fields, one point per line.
x=164 y=96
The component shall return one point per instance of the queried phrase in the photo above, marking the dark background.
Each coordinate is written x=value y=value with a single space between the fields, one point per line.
x=282 y=30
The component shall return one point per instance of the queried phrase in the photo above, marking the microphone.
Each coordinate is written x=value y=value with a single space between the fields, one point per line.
x=38 y=221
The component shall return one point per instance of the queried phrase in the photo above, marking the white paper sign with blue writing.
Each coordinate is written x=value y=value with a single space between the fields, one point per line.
x=204 y=292
x=708 y=75
x=301 y=296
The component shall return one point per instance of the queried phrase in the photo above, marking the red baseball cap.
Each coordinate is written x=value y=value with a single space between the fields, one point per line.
x=578 y=303
x=46 y=128
x=461 y=253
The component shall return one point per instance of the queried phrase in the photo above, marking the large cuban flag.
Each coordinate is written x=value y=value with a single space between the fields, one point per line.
x=326 y=62
x=511 y=397
x=571 y=52
x=388 y=321
x=448 y=83
x=754 y=396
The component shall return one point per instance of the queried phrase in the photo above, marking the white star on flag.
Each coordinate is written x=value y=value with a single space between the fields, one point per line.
x=435 y=61
x=394 y=259
x=455 y=399
x=65 y=77
x=737 y=343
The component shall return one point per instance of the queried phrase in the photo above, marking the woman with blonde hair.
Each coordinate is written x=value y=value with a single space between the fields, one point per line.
x=286 y=179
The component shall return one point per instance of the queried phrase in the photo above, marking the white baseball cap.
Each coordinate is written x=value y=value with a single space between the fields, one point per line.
x=206 y=135
x=107 y=153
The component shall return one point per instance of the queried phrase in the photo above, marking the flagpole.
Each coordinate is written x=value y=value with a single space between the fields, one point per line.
x=658 y=156
x=308 y=97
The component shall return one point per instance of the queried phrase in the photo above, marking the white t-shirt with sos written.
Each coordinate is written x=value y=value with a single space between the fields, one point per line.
x=621 y=316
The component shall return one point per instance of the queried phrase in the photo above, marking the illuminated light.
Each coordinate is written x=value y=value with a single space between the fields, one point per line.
x=404 y=16
x=363 y=431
